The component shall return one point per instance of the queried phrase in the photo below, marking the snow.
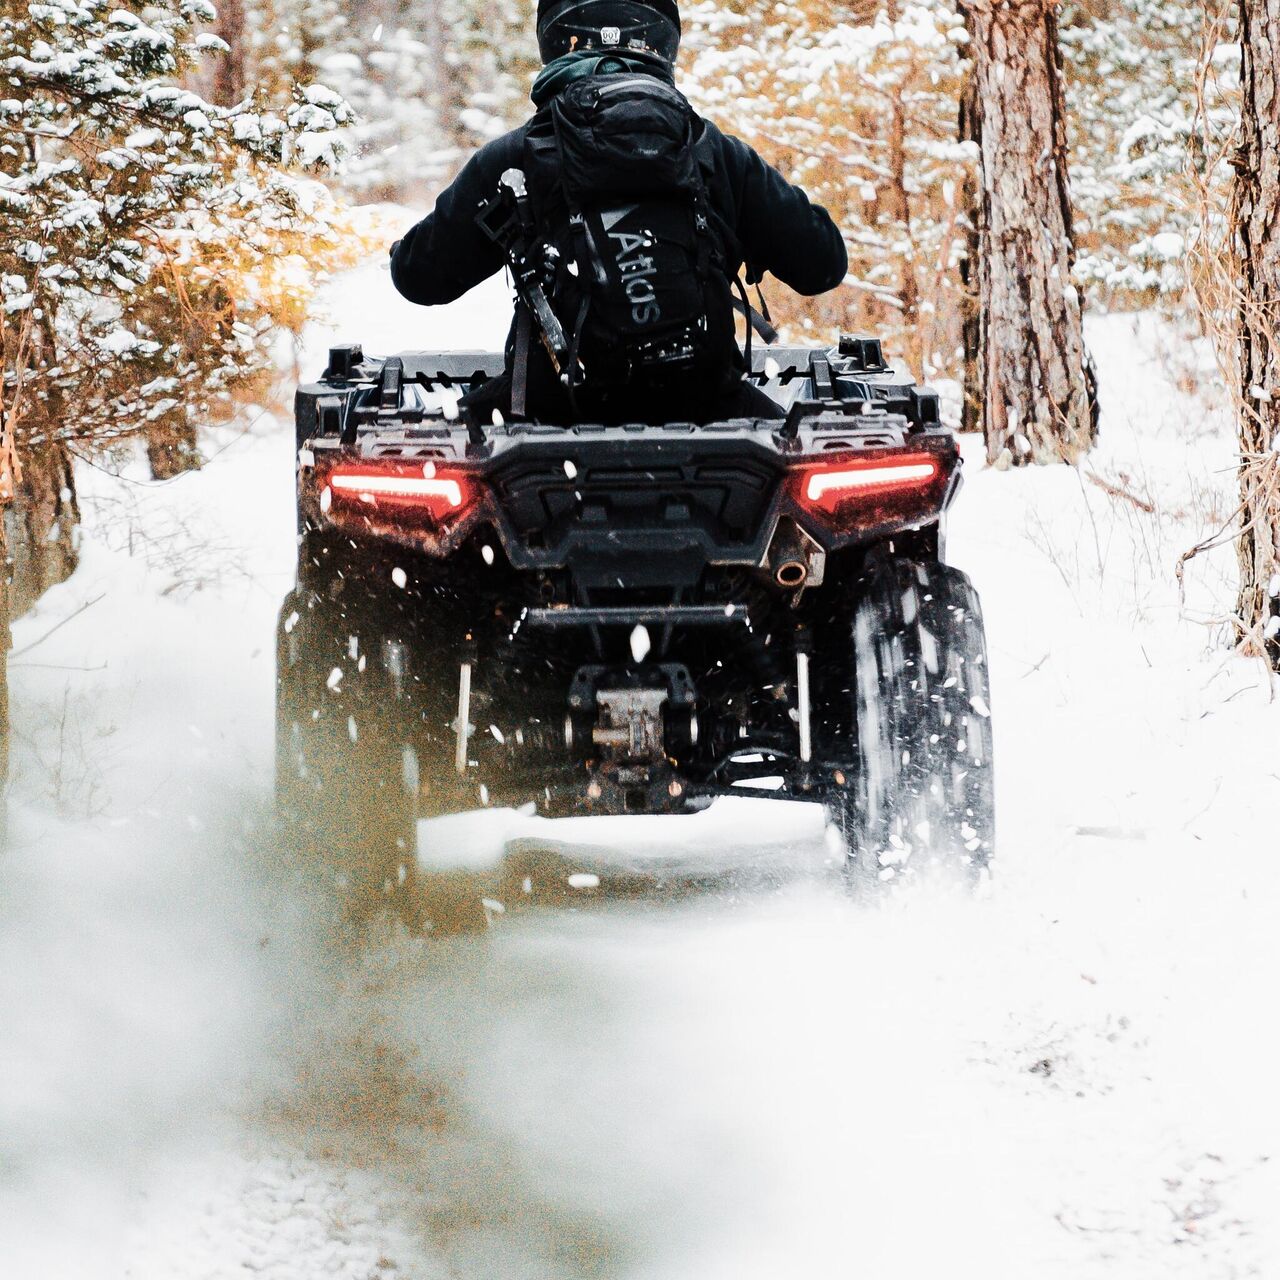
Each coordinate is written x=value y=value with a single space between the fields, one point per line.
x=1071 y=1078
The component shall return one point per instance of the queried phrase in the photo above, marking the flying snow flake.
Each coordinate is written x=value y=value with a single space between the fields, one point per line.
x=772 y=369
x=450 y=398
x=1273 y=587
x=929 y=651
x=484 y=795
x=1272 y=629
x=326 y=499
x=352 y=731
x=640 y=642
x=583 y=880
x=410 y=774
x=429 y=470
x=497 y=419
x=486 y=553
x=979 y=704
x=570 y=469
x=334 y=680
x=498 y=736
x=306 y=458
x=377 y=33
x=290 y=622
x=399 y=577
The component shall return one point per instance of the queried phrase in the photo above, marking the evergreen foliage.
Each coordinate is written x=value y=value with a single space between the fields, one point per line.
x=1133 y=67
x=860 y=107
x=148 y=238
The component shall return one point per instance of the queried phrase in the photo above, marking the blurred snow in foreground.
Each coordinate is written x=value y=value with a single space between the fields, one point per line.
x=1072 y=1079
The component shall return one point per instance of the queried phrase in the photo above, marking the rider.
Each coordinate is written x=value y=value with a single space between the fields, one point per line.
x=764 y=222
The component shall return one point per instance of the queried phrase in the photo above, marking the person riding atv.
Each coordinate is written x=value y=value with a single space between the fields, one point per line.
x=641 y=216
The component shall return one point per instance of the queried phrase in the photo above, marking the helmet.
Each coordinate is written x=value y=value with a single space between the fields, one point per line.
x=651 y=26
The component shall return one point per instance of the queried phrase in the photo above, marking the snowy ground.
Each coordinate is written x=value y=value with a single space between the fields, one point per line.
x=1073 y=1078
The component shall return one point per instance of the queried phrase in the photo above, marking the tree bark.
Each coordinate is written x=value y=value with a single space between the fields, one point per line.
x=1257 y=245
x=969 y=129
x=42 y=525
x=172 y=447
x=1035 y=391
x=229 y=80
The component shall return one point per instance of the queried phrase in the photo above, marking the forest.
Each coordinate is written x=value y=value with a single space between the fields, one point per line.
x=1060 y=217
x=177 y=182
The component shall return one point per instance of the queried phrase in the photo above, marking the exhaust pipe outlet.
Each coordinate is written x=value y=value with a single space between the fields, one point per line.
x=794 y=559
x=791 y=573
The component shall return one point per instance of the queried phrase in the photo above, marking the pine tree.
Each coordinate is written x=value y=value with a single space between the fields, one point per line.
x=135 y=219
x=1133 y=76
x=859 y=107
x=1035 y=394
x=386 y=64
x=1256 y=215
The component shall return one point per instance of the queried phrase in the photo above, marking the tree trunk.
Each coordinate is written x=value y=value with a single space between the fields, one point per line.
x=171 y=445
x=42 y=525
x=1036 y=402
x=969 y=129
x=1257 y=222
x=229 y=81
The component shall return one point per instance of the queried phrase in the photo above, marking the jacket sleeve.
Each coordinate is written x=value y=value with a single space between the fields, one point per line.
x=446 y=254
x=780 y=229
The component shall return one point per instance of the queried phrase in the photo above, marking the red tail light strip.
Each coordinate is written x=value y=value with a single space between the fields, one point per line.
x=827 y=488
x=440 y=492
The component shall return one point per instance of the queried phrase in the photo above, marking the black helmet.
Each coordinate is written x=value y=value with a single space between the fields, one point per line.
x=565 y=26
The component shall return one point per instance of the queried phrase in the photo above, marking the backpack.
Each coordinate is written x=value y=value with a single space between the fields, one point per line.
x=641 y=279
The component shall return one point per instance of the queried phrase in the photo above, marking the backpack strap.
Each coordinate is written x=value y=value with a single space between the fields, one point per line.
x=759 y=321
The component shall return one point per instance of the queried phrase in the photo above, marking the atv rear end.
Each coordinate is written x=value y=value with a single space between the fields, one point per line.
x=630 y=619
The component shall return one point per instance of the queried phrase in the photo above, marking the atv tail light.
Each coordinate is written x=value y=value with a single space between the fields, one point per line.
x=398 y=494
x=828 y=489
x=441 y=493
x=872 y=491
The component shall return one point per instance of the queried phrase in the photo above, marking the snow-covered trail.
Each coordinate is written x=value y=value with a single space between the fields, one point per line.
x=1070 y=1079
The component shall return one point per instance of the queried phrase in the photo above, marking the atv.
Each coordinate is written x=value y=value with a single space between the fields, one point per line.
x=627 y=620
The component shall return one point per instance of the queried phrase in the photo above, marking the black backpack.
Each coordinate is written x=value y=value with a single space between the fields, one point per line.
x=642 y=282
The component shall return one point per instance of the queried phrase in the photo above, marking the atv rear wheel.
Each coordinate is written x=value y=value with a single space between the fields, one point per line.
x=924 y=802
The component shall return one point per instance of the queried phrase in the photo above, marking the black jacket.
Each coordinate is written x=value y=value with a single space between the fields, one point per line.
x=779 y=229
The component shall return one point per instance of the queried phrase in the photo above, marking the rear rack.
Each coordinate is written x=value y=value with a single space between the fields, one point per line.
x=360 y=393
